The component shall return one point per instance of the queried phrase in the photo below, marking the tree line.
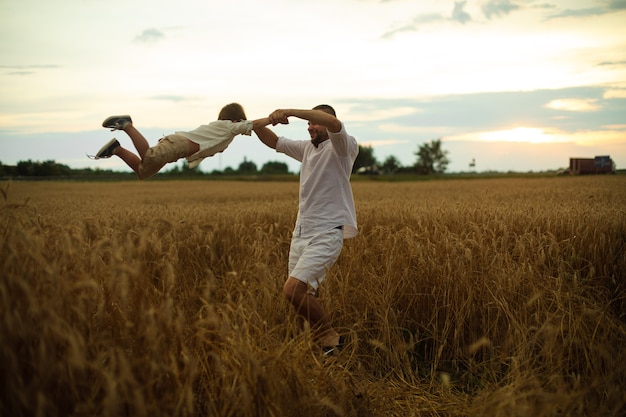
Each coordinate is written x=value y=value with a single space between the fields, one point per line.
x=51 y=168
x=430 y=159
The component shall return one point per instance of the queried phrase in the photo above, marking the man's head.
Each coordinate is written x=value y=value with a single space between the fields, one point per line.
x=326 y=109
x=233 y=112
x=319 y=133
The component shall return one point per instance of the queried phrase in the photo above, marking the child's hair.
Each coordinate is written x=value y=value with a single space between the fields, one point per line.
x=233 y=112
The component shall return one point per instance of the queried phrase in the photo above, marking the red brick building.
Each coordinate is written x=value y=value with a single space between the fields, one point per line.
x=597 y=165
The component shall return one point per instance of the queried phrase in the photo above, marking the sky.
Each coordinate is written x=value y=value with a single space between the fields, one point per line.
x=513 y=85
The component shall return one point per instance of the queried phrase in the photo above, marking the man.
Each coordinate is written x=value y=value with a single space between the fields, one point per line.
x=326 y=213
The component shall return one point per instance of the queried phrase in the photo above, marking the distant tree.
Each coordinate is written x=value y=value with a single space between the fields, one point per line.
x=48 y=168
x=173 y=169
x=247 y=167
x=431 y=158
x=274 y=167
x=390 y=165
x=25 y=168
x=181 y=170
x=185 y=170
x=365 y=158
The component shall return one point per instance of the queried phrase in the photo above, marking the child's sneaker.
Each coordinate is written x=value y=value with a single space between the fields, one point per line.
x=117 y=122
x=107 y=150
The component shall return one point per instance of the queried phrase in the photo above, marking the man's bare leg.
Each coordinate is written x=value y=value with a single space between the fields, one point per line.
x=308 y=307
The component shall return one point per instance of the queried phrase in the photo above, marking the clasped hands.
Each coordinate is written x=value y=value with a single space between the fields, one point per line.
x=279 y=117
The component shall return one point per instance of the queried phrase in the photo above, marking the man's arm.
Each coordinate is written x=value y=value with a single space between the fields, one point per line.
x=264 y=133
x=316 y=117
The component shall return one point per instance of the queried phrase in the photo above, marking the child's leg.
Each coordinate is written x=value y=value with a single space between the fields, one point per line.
x=132 y=160
x=141 y=144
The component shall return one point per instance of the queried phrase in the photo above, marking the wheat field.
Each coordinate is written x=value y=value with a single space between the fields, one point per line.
x=485 y=297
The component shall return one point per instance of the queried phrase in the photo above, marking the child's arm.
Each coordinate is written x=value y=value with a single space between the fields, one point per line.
x=267 y=136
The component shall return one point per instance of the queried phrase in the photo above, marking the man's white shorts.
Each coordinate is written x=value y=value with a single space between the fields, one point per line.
x=311 y=257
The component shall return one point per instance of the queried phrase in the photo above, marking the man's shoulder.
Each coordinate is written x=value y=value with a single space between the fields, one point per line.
x=295 y=142
x=342 y=133
x=291 y=146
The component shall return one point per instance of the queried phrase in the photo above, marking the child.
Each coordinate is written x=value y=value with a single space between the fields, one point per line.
x=202 y=142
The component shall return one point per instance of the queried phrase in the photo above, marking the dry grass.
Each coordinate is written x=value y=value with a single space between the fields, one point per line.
x=486 y=298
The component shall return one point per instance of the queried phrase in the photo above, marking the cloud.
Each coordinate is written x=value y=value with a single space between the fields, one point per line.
x=460 y=15
x=612 y=7
x=23 y=70
x=498 y=8
x=150 y=36
x=428 y=18
x=612 y=64
x=392 y=33
x=172 y=97
x=367 y=113
x=414 y=129
x=28 y=66
x=590 y=11
x=414 y=24
x=573 y=104
x=615 y=93
x=492 y=8
x=22 y=73
x=570 y=110
x=617 y=5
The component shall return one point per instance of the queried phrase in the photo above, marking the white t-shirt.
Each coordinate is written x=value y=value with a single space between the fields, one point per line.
x=214 y=138
x=326 y=199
